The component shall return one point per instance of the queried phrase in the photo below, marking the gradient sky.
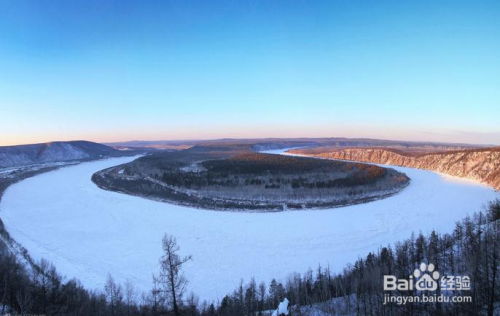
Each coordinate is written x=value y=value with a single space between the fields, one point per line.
x=123 y=70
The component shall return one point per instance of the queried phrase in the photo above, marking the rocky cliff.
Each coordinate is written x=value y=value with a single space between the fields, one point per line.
x=482 y=165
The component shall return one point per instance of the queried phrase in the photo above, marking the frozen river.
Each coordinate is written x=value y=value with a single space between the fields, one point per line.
x=88 y=232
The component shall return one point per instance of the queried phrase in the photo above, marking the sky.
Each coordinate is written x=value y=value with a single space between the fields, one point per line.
x=112 y=71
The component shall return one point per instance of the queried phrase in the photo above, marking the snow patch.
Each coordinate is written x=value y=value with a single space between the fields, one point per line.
x=282 y=308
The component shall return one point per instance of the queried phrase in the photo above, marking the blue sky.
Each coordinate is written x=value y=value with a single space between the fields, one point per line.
x=123 y=70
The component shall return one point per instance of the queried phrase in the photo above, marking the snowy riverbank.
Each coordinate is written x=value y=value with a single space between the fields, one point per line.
x=88 y=232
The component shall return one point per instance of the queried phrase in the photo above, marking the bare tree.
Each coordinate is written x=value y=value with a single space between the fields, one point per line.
x=130 y=295
x=113 y=294
x=192 y=303
x=171 y=277
x=262 y=295
x=24 y=301
x=154 y=298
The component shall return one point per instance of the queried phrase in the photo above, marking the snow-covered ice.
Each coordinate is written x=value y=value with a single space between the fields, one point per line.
x=88 y=232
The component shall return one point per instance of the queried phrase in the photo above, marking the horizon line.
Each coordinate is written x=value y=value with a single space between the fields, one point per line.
x=192 y=140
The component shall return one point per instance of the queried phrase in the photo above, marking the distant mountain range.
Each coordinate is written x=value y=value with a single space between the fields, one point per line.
x=21 y=155
x=271 y=143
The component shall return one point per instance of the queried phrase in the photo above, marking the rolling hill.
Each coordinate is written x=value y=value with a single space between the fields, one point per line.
x=22 y=155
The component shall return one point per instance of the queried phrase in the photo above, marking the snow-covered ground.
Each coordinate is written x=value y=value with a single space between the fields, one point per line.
x=88 y=232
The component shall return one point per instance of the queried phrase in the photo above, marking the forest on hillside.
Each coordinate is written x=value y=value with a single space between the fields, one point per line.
x=472 y=250
x=236 y=178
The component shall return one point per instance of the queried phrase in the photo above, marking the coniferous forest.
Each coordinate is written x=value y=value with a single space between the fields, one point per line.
x=472 y=249
x=240 y=179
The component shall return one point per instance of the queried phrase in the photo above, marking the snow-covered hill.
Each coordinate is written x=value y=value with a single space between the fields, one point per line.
x=22 y=155
x=482 y=164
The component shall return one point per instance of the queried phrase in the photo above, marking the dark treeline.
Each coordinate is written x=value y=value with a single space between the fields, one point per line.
x=472 y=249
x=275 y=171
